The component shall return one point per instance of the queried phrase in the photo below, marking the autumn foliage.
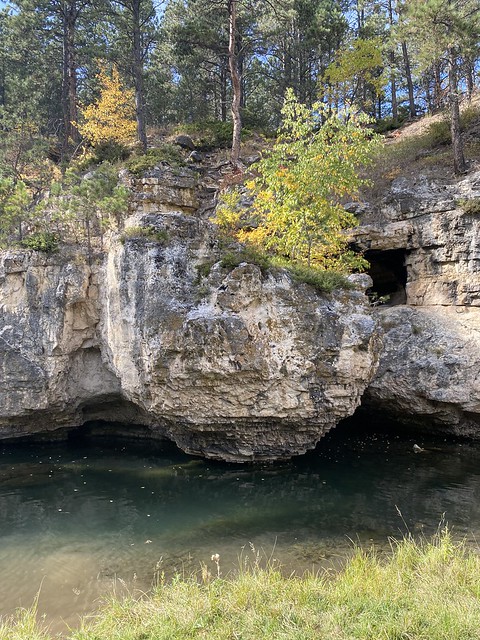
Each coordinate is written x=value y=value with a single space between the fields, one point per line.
x=300 y=186
x=112 y=116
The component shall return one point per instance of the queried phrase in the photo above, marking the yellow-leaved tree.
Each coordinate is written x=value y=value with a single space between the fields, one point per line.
x=300 y=185
x=112 y=116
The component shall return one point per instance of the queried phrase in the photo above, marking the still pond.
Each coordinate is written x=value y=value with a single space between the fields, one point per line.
x=81 y=518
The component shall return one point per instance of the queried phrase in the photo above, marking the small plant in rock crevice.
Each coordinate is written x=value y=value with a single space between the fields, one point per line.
x=148 y=234
x=470 y=206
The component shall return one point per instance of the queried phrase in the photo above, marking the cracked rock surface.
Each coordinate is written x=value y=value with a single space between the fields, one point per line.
x=234 y=364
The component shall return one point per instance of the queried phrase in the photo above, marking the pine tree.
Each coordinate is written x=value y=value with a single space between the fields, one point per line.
x=136 y=22
x=445 y=30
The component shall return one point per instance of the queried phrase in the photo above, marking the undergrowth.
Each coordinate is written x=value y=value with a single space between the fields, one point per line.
x=41 y=241
x=167 y=153
x=209 y=135
x=320 y=279
x=470 y=206
x=148 y=234
x=429 y=150
x=426 y=590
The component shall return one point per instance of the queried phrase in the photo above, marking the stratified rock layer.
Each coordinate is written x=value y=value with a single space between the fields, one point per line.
x=427 y=219
x=231 y=364
x=429 y=369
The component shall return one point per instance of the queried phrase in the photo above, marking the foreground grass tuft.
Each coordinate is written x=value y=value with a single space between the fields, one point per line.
x=23 y=626
x=425 y=591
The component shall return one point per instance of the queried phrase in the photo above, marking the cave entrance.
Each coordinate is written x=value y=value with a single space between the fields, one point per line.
x=389 y=275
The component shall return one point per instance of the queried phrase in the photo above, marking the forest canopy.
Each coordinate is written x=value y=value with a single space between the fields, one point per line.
x=188 y=60
x=108 y=76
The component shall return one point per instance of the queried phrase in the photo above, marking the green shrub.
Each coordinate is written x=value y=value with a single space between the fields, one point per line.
x=469 y=117
x=210 y=135
x=438 y=134
x=168 y=153
x=470 y=206
x=41 y=241
x=203 y=270
x=110 y=151
x=388 y=124
x=149 y=234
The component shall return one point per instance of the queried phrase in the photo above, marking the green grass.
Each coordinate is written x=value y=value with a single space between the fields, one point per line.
x=319 y=279
x=429 y=150
x=470 y=206
x=424 y=591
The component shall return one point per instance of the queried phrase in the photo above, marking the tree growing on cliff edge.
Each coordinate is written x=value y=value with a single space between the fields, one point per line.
x=297 y=210
x=445 y=31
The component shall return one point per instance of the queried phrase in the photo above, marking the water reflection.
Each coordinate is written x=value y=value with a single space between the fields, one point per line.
x=81 y=518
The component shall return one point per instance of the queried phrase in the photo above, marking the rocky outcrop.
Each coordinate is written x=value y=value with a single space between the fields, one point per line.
x=428 y=220
x=428 y=374
x=233 y=364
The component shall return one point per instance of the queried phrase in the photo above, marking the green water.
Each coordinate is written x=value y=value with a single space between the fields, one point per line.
x=82 y=518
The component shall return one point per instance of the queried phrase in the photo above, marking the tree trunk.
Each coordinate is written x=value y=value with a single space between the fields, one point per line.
x=393 y=86
x=393 y=80
x=469 y=76
x=437 y=86
x=459 y=164
x=138 y=74
x=223 y=88
x=236 y=82
x=3 y=100
x=69 y=80
x=408 y=75
x=428 y=93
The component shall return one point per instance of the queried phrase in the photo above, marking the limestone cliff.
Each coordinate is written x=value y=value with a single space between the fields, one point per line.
x=237 y=364
x=231 y=364
x=425 y=250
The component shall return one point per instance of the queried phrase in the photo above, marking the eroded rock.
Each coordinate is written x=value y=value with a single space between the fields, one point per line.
x=428 y=372
x=239 y=366
x=426 y=218
x=429 y=369
x=235 y=365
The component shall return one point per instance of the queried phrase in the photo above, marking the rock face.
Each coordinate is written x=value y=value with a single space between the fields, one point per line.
x=422 y=240
x=441 y=242
x=429 y=372
x=231 y=364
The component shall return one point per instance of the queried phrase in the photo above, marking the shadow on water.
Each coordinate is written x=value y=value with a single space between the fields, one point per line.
x=87 y=515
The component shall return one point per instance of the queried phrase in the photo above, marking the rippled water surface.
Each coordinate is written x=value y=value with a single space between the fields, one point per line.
x=80 y=518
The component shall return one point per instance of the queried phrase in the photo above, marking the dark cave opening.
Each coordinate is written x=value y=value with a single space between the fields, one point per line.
x=378 y=421
x=389 y=275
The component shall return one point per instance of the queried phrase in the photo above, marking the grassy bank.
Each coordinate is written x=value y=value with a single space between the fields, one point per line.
x=425 y=591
